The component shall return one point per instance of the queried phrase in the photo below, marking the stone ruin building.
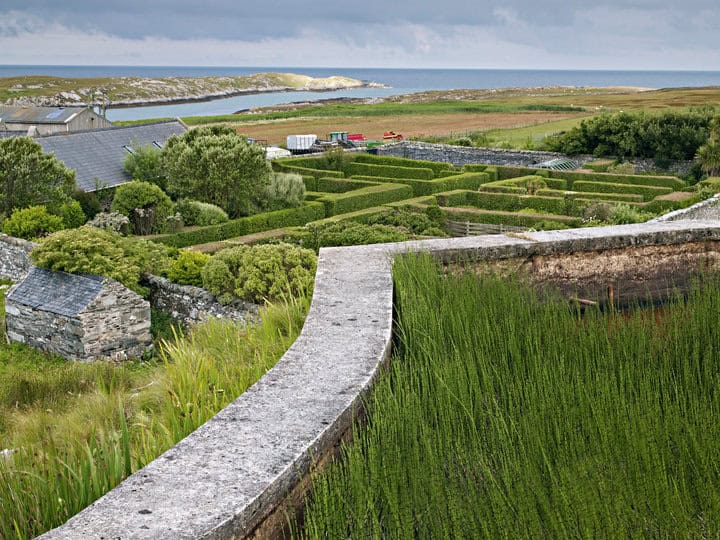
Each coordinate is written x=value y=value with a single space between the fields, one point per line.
x=79 y=317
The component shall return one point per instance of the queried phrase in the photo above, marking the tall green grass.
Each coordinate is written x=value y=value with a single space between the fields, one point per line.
x=73 y=431
x=507 y=414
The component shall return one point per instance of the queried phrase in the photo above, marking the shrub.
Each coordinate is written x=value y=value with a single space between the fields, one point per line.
x=101 y=252
x=347 y=233
x=145 y=204
x=260 y=273
x=89 y=203
x=218 y=166
x=187 y=268
x=72 y=214
x=598 y=212
x=112 y=221
x=285 y=190
x=623 y=214
x=417 y=222
x=648 y=192
x=32 y=222
x=145 y=164
x=621 y=168
x=200 y=213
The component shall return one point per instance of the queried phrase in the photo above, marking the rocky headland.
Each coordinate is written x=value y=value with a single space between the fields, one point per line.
x=138 y=91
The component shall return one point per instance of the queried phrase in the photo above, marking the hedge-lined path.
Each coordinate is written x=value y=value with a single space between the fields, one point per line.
x=471 y=210
x=213 y=247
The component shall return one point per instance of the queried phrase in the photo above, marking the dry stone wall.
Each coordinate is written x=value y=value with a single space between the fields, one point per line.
x=706 y=210
x=191 y=305
x=14 y=257
x=462 y=155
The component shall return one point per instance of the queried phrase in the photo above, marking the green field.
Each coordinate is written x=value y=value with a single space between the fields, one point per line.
x=508 y=413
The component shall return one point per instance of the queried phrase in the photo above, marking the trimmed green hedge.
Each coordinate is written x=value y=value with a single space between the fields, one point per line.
x=416 y=202
x=632 y=179
x=495 y=187
x=505 y=218
x=663 y=206
x=359 y=216
x=445 y=174
x=521 y=181
x=457 y=197
x=615 y=197
x=305 y=171
x=336 y=185
x=436 y=166
x=428 y=187
x=389 y=171
x=504 y=172
x=648 y=192
x=475 y=167
x=510 y=202
x=306 y=162
x=358 y=199
x=246 y=225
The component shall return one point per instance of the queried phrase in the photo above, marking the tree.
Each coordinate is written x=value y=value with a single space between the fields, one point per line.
x=218 y=166
x=145 y=164
x=30 y=177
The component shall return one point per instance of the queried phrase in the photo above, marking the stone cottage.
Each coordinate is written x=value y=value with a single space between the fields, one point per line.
x=79 y=317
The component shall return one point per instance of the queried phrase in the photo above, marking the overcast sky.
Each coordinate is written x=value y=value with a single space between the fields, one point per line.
x=513 y=34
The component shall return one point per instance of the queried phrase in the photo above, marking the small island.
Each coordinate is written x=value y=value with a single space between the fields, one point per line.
x=138 y=91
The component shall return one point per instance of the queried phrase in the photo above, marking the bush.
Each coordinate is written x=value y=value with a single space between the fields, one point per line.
x=200 y=213
x=101 y=252
x=32 y=222
x=285 y=190
x=111 y=221
x=89 y=203
x=648 y=192
x=260 y=273
x=145 y=204
x=348 y=233
x=623 y=214
x=598 y=212
x=145 y=164
x=72 y=215
x=187 y=268
x=417 y=222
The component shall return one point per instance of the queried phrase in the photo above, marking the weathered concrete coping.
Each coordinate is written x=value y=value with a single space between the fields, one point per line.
x=223 y=479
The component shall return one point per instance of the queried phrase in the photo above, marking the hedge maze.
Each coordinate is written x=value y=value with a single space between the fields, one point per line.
x=357 y=186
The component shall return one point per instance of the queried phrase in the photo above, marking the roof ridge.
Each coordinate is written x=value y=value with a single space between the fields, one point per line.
x=113 y=128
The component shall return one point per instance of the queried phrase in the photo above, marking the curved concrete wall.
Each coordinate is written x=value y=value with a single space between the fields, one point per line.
x=226 y=477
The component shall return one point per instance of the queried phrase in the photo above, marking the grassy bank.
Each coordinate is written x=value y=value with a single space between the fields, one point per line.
x=507 y=414
x=72 y=431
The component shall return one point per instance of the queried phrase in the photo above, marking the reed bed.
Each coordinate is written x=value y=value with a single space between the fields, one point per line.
x=506 y=413
x=73 y=431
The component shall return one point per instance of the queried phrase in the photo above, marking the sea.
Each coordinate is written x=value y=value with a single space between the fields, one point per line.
x=397 y=81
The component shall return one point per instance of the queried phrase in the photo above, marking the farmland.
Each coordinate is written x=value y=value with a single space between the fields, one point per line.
x=506 y=412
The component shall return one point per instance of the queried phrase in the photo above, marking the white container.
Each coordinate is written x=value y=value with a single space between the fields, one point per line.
x=300 y=142
x=274 y=152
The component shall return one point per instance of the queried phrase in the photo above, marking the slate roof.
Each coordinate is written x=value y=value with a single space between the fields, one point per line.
x=100 y=153
x=56 y=292
x=7 y=134
x=38 y=115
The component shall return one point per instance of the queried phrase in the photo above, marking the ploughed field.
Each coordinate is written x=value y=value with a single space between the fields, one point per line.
x=505 y=412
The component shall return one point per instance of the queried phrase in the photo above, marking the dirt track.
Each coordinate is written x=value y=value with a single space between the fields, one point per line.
x=410 y=125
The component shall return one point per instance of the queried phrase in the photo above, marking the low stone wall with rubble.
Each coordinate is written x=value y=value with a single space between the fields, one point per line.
x=708 y=209
x=191 y=305
x=14 y=257
x=238 y=474
x=463 y=155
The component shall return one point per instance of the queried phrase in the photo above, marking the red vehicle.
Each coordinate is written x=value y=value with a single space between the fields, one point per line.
x=392 y=136
x=357 y=137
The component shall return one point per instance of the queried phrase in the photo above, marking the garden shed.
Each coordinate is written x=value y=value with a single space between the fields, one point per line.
x=80 y=317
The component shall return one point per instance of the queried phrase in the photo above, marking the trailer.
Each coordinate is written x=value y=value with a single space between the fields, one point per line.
x=298 y=144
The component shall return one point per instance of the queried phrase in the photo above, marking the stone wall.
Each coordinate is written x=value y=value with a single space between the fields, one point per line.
x=116 y=325
x=191 y=305
x=708 y=209
x=463 y=155
x=14 y=257
x=44 y=330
